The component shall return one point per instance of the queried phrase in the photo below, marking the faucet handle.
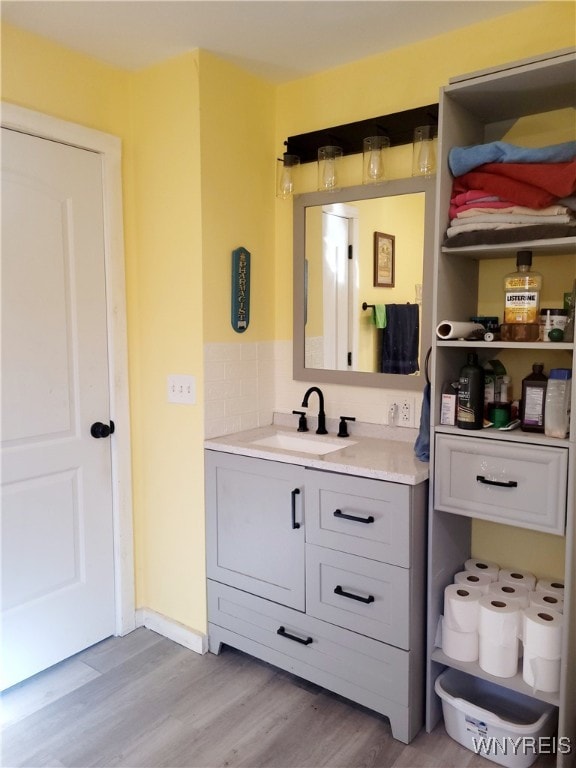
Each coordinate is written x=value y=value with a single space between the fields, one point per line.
x=343 y=427
x=302 y=424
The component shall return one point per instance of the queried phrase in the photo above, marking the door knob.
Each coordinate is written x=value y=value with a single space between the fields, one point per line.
x=98 y=429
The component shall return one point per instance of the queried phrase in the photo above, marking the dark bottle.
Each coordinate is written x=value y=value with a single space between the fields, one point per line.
x=533 y=400
x=470 y=409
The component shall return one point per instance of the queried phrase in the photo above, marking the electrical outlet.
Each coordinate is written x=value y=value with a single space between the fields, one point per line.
x=401 y=411
x=181 y=389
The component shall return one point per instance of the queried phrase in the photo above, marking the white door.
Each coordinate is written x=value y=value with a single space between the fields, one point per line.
x=57 y=524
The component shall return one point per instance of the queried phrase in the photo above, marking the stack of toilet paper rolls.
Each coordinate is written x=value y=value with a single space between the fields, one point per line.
x=494 y=616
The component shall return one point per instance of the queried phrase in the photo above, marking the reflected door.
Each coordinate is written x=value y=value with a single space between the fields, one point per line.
x=57 y=528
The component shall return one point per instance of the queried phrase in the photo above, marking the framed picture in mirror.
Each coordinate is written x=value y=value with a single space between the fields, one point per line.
x=383 y=260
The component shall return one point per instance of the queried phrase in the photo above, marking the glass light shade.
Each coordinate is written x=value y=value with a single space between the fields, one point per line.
x=374 y=159
x=423 y=152
x=285 y=175
x=328 y=168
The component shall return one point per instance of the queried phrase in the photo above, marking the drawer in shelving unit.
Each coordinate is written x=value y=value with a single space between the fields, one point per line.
x=365 y=596
x=312 y=645
x=361 y=516
x=511 y=483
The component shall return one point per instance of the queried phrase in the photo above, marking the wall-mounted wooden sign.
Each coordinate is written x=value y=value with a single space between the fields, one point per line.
x=240 y=289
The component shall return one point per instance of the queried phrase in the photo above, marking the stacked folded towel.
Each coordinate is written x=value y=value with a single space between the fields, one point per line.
x=503 y=194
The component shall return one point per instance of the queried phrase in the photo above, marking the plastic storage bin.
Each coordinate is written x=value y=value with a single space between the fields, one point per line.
x=504 y=726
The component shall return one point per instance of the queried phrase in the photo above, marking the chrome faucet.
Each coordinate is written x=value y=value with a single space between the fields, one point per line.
x=321 y=415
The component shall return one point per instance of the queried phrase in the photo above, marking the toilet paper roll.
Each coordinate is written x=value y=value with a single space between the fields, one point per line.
x=461 y=607
x=483 y=566
x=518 y=594
x=498 y=660
x=515 y=577
x=542 y=632
x=545 y=601
x=462 y=646
x=498 y=620
x=454 y=329
x=541 y=674
x=551 y=586
x=480 y=581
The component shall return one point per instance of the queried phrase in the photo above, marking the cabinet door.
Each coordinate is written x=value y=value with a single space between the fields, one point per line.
x=255 y=526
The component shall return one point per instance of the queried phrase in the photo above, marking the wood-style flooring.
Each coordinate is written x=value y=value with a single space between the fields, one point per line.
x=146 y=702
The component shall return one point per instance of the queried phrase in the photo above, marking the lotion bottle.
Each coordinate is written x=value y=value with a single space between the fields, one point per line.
x=470 y=408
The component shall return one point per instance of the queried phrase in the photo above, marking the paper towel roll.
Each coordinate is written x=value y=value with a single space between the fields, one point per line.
x=483 y=566
x=542 y=632
x=462 y=646
x=551 y=586
x=461 y=607
x=518 y=594
x=543 y=600
x=515 y=576
x=498 y=636
x=453 y=329
x=541 y=674
x=480 y=581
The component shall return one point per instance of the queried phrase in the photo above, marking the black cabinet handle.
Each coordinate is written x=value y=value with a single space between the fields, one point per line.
x=500 y=484
x=295 y=493
x=339 y=513
x=340 y=591
x=304 y=641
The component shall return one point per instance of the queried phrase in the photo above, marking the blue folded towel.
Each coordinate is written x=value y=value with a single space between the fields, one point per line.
x=464 y=159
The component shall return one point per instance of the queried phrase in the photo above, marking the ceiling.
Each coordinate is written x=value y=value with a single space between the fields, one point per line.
x=279 y=40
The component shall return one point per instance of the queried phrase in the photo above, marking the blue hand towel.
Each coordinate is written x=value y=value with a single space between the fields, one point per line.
x=422 y=444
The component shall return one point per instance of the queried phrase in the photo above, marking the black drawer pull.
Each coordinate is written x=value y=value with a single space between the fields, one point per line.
x=295 y=493
x=304 y=641
x=339 y=591
x=344 y=516
x=500 y=484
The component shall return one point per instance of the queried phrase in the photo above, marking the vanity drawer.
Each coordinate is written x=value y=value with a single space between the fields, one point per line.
x=370 y=518
x=505 y=482
x=365 y=596
x=335 y=658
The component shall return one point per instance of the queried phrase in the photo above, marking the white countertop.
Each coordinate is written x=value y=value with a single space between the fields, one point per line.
x=377 y=458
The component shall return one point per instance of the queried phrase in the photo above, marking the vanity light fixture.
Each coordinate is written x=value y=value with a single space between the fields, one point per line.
x=328 y=168
x=374 y=159
x=423 y=154
x=286 y=167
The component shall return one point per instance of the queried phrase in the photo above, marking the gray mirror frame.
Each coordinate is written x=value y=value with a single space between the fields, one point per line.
x=345 y=195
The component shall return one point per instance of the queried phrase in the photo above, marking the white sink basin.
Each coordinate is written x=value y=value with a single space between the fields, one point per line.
x=308 y=444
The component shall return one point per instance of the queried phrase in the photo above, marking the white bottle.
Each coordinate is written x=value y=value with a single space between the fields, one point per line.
x=557 y=404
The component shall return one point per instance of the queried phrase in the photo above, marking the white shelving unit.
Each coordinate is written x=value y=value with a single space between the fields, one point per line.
x=476 y=109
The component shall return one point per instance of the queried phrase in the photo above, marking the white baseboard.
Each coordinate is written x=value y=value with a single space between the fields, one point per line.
x=171 y=629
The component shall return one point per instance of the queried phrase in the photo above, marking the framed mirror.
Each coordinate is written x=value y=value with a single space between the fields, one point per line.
x=363 y=267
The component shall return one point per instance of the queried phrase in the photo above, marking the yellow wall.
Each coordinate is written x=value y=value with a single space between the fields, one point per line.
x=183 y=217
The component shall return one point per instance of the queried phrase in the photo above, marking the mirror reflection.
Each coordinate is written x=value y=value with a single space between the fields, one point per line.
x=361 y=257
x=388 y=229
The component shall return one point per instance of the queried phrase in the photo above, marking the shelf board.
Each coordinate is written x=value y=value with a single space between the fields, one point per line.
x=514 y=436
x=552 y=247
x=515 y=683
x=519 y=345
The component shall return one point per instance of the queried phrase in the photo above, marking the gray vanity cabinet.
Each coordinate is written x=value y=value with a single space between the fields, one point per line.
x=321 y=574
x=255 y=536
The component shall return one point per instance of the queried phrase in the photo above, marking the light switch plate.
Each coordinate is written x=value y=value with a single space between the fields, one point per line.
x=181 y=389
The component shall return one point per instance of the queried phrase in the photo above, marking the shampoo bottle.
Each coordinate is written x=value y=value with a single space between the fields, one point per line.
x=532 y=404
x=470 y=409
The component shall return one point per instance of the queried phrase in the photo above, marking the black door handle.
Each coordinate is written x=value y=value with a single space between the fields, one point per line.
x=506 y=484
x=294 y=493
x=339 y=591
x=343 y=516
x=98 y=429
x=304 y=641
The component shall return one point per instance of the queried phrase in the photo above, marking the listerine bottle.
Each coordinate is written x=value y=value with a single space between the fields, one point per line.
x=522 y=291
